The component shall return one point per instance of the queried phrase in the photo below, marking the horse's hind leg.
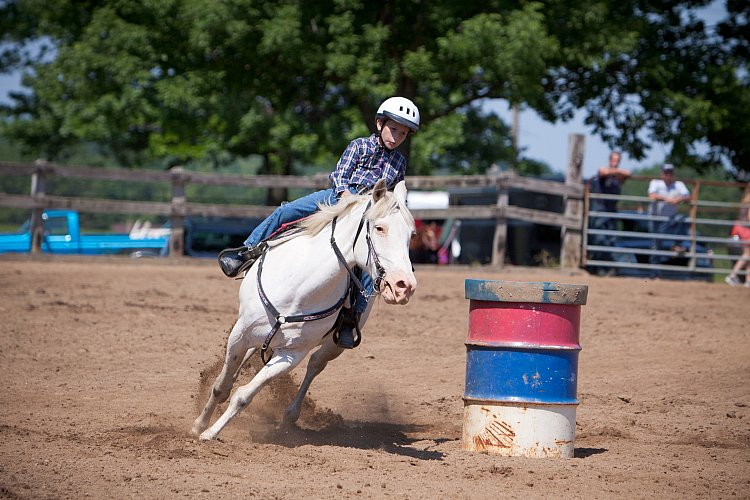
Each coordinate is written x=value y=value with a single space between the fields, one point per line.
x=277 y=365
x=317 y=363
x=237 y=355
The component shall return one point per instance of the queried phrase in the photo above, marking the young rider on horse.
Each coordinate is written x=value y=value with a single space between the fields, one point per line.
x=363 y=163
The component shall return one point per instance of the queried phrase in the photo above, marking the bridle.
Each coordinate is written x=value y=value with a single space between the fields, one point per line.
x=371 y=253
x=353 y=287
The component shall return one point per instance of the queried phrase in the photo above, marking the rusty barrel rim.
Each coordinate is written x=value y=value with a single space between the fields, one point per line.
x=544 y=292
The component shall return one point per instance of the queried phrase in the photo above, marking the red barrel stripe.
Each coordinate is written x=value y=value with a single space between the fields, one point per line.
x=508 y=323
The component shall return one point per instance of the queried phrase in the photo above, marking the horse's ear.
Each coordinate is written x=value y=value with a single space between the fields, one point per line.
x=400 y=192
x=379 y=191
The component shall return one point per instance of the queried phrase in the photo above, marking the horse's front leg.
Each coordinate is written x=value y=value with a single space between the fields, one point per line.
x=318 y=361
x=237 y=355
x=279 y=364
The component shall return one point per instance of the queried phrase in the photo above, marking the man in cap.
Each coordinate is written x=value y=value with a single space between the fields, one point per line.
x=666 y=194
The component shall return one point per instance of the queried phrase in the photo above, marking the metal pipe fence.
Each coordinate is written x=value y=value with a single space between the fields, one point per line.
x=637 y=243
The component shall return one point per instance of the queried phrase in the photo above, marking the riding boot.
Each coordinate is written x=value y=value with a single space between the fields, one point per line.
x=345 y=335
x=235 y=260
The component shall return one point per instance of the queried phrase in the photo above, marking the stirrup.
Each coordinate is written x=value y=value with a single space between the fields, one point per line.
x=233 y=261
x=347 y=334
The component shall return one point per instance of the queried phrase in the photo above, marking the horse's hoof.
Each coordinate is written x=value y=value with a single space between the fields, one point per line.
x=207 y=436
x=198 y=427
x=287 y=424
x=289 y=419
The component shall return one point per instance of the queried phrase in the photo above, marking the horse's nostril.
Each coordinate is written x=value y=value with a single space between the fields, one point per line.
x=405 y=287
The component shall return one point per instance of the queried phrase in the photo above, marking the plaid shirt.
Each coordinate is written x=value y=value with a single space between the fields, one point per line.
x=363 y=163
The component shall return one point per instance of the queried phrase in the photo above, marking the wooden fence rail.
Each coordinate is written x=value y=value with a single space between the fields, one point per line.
x=180 y=207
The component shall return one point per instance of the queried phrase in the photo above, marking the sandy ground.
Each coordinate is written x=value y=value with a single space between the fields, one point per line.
x=104 y=363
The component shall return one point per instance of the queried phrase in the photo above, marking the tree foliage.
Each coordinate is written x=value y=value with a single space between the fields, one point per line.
x=294 y=81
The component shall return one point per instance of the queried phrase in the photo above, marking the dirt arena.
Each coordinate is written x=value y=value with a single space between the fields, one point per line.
x=103 y=364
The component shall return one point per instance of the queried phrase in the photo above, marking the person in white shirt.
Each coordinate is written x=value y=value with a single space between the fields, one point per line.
x=666 y=194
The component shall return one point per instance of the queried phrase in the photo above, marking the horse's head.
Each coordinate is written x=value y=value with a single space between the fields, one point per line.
x=390 y=228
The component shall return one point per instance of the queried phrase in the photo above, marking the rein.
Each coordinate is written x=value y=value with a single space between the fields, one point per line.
x=353 y=280
x=370 y=253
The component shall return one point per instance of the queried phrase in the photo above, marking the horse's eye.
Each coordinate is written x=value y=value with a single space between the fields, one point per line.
x=380 y=229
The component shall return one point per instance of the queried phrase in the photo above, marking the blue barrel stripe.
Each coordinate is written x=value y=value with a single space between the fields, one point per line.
x=530 y=375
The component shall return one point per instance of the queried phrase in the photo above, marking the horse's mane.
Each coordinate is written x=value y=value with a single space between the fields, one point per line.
x=320 y=219
x=315 y=223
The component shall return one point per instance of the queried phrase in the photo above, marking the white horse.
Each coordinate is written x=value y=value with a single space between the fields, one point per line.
x=303 y=283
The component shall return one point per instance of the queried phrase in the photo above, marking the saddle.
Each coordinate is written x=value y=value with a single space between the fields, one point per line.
x=285 y=232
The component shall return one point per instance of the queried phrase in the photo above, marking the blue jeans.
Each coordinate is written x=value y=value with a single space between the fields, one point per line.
x=298 y=209
x=677 y=226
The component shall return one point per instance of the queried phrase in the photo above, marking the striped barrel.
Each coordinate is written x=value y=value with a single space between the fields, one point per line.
x=522 y=367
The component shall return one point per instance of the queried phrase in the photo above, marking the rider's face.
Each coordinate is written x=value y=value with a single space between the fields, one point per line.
x=392 y=133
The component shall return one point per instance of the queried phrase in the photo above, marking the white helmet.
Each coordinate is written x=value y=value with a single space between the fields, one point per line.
x=401 y=110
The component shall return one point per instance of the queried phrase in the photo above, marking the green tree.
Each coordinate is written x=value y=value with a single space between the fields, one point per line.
x=294 y=81
x=680 y=81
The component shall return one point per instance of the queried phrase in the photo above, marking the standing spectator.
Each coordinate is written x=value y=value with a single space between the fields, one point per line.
x=608 y=180
x=741 y=231
x=666 y=194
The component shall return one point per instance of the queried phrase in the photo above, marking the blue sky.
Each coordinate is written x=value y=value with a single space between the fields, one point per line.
x=548 y=142
x=7 y=84
x=539 y=140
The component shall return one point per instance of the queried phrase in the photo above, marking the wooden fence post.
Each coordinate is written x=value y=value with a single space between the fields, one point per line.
x=501 y=222
x=570 y=255
x=38 y=192
x=177 y=238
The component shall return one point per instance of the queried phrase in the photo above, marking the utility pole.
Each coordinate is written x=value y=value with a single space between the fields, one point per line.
x=515 y=125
